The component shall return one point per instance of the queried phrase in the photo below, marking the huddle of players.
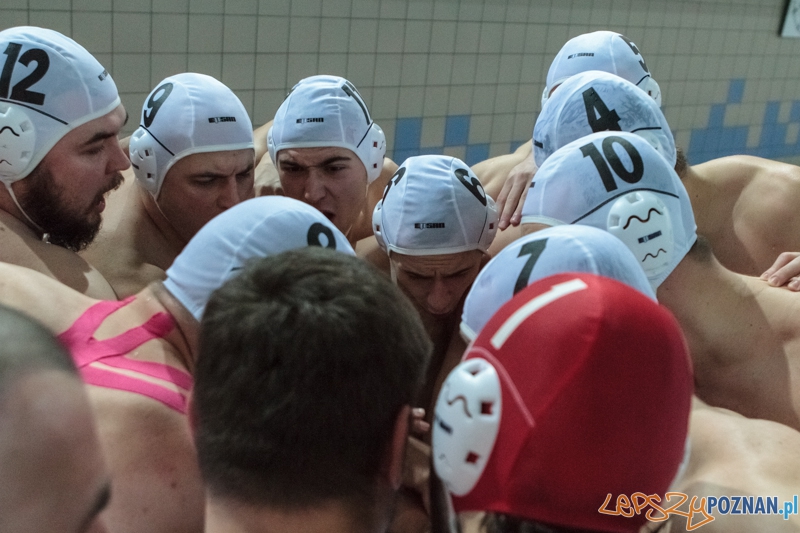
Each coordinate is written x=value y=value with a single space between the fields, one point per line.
x=535 y=424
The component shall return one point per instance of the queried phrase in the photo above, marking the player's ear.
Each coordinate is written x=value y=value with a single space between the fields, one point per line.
x=393 y=462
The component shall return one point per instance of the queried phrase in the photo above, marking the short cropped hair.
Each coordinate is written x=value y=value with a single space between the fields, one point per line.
x=305 y=361
x=26 y=347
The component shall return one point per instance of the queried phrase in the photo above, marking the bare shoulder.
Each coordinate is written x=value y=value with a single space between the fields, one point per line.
x=54 y=261
x=260 y=140
x=370 y=251
x=747 y=168
x=754 y=456
x=40 y=296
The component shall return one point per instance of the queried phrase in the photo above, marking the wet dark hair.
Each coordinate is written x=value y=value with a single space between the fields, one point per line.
x=306 y=359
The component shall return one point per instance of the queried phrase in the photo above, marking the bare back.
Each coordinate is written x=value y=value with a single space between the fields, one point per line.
x=743 y=336
x=732 y=455
x=156 y=484
x=749 y=208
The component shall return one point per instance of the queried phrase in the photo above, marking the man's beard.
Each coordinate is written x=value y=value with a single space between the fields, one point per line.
x=45 y=204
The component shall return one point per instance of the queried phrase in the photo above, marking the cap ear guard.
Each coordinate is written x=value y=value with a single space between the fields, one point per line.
x=490 y=227
x=642 y=221
x=17 y=142
x=371 y=151
x=143 y=160
x=377 y=223
x=271 y=146
x=651 y=87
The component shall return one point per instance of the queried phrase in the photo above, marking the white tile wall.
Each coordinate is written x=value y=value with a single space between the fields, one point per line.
x=430 y=59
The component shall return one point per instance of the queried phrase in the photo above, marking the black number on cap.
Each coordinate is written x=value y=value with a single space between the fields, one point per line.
x=636 y=52
x=394 y=180
x=629 y=176
x=474 y=185
x=155 y=102
x=597 y=113
x=20 y=90
x=534 y=250
x=318 y=229
x=350 y=89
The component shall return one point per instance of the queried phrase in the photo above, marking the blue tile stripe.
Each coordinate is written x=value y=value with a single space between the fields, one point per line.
x=717 y=140
x=710 y=142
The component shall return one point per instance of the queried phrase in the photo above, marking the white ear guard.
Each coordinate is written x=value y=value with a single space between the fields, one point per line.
x=466 y=424
x=142 y=151
x=372 y=150
x=642 y=221
x=377 y=224
x=434 y=205
x=651 y=87
x=17 y=141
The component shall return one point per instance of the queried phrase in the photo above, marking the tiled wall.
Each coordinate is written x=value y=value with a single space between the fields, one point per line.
x=463 y=77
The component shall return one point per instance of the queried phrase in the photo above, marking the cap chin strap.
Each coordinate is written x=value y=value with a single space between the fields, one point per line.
x=35 y=225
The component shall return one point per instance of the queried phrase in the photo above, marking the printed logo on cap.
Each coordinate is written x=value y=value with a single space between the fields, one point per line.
x=186 y=114
x=328 y=111
x=601 y=50
x=434 y=204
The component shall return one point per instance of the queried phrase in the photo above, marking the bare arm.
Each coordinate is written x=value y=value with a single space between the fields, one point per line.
x=507 y=178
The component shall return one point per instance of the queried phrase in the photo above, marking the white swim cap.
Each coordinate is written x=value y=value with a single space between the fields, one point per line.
x=598 y=101
x=186 y=114
x=617 y=182
x=434 y=204
x=546 y=253
x=259 y=227
x=49 y=86
x=601 y=50
x=323 y=111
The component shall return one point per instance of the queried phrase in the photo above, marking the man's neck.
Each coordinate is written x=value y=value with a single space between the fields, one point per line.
x=225 y=516
x=12 y=218
x=709 y=301
x=149 y=211
x=709 y=207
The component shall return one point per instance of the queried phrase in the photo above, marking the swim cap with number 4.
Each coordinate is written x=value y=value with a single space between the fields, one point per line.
x=598 y=101
x=49 y=85
x=617 y=182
